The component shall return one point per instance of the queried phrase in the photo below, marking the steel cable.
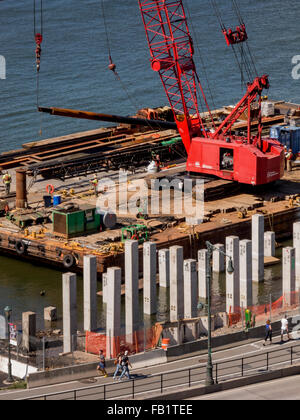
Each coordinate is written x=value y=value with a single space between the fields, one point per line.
x=135 y=105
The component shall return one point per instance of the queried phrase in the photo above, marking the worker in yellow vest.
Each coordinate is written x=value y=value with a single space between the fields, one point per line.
x=289 y=158
x=94 y=182
x=7 y=182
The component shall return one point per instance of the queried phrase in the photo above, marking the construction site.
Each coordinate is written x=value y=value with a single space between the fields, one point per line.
x=165 y=198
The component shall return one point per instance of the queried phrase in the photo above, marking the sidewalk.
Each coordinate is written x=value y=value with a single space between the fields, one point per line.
x=143 y=375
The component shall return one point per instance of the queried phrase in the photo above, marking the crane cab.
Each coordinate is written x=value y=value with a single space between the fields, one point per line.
x=237 y=160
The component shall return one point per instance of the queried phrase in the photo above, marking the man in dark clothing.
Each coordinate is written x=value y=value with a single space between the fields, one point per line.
x=125 y=365
x=269 y=332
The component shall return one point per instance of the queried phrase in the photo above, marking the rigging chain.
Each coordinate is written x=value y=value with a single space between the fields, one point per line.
x=38 y=36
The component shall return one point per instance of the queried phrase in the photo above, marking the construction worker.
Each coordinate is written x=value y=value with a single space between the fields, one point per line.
x=158 y=163
x=7 y=182
x=285 y=159
x=94 y=182
x=289 y=158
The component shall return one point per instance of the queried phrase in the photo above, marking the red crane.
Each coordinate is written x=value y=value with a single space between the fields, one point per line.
x=214 y=151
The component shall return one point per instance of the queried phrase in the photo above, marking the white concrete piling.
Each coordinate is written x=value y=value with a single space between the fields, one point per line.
x=50 y=314
x=190 y=289
x=90 y=293
x=69 y=312
x=203 y=267
x=131 y=288
x=150 y=268
x=296 y=234
x=219 y=259
x=104 y=288
x=258 y=265
x=176 y=283
x=233 y=279
x=113 y=310
x=270 y=244
x=288 y=274
x=164 y=267
x=29 y=331
x=246 y=293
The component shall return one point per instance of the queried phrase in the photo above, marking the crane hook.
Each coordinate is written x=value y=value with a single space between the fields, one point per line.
x=112 y=65
x=38 y=51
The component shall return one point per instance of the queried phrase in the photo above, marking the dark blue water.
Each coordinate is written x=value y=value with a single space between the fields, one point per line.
x=75 y=57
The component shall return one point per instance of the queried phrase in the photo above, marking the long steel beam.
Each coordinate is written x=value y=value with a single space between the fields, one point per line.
x=155 y=124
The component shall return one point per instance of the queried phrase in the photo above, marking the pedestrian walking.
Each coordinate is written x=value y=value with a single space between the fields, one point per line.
x=285 y=328
x=125 y=366
x=118 y=363
x=269 y=332
x=102 y=365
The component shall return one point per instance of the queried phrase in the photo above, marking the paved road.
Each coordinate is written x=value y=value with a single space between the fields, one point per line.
x=176 y=373
x=280 y=389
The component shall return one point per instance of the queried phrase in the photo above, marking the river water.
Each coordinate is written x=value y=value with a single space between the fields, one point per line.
x=74 y=75
x=22 y=282
x=75 y=57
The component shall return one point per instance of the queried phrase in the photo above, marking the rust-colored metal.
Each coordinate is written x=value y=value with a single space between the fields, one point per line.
x=51 y=251
x=74 y=113
x=21 y=191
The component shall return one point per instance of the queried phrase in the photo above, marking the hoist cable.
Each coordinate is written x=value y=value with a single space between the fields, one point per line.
x=238 y=12
x=217 y=13
x=252 y=58
x=241 y=20
x=38 y=39
x=201 y=58
x=246 y=63
x=35 y=17
x=117 y=76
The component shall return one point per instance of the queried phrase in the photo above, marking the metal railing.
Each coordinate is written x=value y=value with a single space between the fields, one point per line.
x=175 y=380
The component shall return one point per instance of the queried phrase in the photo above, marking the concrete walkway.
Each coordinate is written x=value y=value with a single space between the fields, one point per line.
x=280 y=389
x=145 y=375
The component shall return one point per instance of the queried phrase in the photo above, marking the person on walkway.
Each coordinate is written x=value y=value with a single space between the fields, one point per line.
x=269 y=332
x=7 y=182
x=125 y=366
x=284 y=328
x=118 y=363
x=102 y=365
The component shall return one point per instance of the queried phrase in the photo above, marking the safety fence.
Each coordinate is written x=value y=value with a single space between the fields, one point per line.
x=257 y=313
x=42 y=353
x=140 y=341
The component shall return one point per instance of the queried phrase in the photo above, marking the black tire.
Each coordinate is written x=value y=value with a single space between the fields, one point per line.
x=20 y=247
x=68 y=261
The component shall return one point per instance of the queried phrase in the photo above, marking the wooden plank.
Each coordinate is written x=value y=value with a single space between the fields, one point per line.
x=271 y=261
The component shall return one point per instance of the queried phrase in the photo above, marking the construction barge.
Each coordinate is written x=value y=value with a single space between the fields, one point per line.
x=124 y=146
x=36 y=231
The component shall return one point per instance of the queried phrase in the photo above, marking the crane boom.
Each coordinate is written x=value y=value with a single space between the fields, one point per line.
x=250 y=160
x=254 y=89
x=171 y=48
x=72 y=113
